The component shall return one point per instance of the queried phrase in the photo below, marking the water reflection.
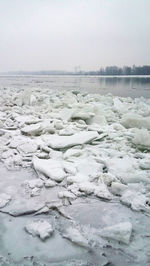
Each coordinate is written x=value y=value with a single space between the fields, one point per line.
x=122 y=86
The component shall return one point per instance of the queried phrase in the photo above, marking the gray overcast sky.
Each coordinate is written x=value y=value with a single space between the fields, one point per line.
x=62 y=34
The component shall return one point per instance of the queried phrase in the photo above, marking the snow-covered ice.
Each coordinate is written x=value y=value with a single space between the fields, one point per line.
x=80 y=147
x=40 y=228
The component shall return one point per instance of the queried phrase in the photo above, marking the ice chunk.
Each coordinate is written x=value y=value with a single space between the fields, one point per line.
x=82 y=115
x=66 y=114
x=58 y=125
x=102 y=192
x=106 y=178
x=66 y=194
x=120 y=232
x=51 y=168
x=91 y=169
x=33 y=100
x=28 y=147
x=145 y=165
x=35 y=192
x=135 y=200
x=66 y=131
x=32 y=130
x=40 y=228
x=121 y=166
x=136 y=177
x=50 y=183
x=87 y=187
x=142 y=139
x=118 y=188
x=34 y=183
x=61 y=142
x=72 y=152
x=4 y=199
x=76 y=237
x=23 y=206
x=69 y=168
x=97 y=119
x=78 y=178
x=136 y=121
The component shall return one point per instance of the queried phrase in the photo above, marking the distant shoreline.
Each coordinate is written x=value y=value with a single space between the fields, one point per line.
x=78 y=75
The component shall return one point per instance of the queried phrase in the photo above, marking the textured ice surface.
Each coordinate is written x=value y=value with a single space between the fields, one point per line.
x=88 y=154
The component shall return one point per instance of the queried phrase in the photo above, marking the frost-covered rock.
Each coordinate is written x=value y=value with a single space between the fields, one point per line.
x=40 y=228
x=120 y=232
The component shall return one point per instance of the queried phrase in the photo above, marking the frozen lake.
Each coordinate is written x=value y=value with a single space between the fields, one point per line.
x=127 y=86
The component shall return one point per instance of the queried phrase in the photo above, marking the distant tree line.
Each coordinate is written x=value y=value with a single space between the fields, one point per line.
x=107 y=71
x=126 y=70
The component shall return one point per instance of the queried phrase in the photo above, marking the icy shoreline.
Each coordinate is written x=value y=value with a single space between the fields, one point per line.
x=85 y=149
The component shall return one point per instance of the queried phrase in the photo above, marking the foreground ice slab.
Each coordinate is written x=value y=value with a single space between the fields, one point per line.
x=61 y=142
x=120 y=232
x=52 y=169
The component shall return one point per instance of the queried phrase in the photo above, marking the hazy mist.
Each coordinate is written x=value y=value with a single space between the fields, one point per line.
x=62 y=34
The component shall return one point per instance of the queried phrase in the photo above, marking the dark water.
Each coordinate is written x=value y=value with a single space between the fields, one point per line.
x=122 y=86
